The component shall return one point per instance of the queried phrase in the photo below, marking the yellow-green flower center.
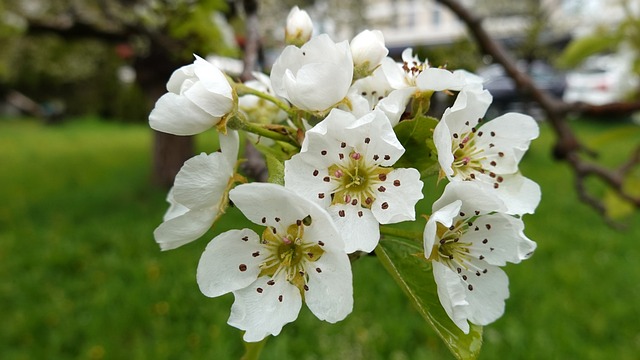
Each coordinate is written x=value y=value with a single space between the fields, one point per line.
x=289 y=253
x=466 y=155
x=450 y=250
x=356 y=180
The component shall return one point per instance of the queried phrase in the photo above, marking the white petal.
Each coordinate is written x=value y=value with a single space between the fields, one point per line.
x=184 y=229
x=230 y=262
x=368 y=47
x=311 y=89
x=498 y=239
x=443 y=143
x=175 y=209
x=202 y=181
x=444 y=215
x=358 y=104
x=178 y=77
x=451 y=292
x=322 y=49
x=324 y=232
x=474 y=196
x=375 y=136
x=395 y=104
x=470 y=79
x=336 y=117
x=315 y=76
x=274 y=205
x=298 y=25
x=266 y=312
x=520 y=194
x=470 y=105
x=212 y=78
x=290 y=59
x=512 y=133
x=307 y=180
x=358 y=227
x=436 y=79
x=330 y=294
x=175 y=114
x=401 y=191
x=324 y=150
x=212 y=103
x=229 y=146
x=488 y=294
x=394 y=73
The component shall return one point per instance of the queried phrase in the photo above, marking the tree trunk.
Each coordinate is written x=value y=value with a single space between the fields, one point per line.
x=169 y=153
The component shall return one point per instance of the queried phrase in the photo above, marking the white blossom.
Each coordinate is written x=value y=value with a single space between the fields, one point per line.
x=468 y=238
x=345 y=165
x=299 y=255
x=316 y=76
x=368 y=50
x=365 y=94
x=413 y=78
x=299 y=27
x=198 y=96
x=198 y=195
x=489 y=154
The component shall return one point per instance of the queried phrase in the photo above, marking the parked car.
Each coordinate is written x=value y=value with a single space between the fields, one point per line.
x=503 y=89
x=601 y=79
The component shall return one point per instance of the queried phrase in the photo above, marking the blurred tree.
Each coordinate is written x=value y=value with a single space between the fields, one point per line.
x=154 y=37
x=538 y=36
x=623 y=36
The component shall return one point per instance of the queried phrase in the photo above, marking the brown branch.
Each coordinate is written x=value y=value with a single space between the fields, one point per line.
x=252 y=39
x=567 y=147
x=611 y=109
x=75 y=29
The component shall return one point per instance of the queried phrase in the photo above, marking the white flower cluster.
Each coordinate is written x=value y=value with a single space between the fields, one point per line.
x=331 y=110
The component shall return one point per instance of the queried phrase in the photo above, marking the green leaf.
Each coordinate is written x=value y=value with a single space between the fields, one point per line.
x=416 y=135
x=583 y=47
x=414 y=275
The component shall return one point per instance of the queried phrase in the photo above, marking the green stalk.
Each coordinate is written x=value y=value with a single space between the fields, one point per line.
x=237 y=122
x=242 y=89
x=253 y=349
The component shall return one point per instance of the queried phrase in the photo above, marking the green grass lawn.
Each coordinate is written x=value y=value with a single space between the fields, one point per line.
x=82 y=277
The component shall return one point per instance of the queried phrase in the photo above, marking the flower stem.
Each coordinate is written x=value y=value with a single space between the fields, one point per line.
x=242 y=89
x=275 y=132
x=253 y=349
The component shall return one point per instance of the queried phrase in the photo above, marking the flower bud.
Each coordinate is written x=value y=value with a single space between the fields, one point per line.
x=368 y=50
x=299 y=27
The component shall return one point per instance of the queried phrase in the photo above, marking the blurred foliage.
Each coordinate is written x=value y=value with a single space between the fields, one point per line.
x=461 y=54
x=80 y=71
x=581 y=48
x=83 y=278
x=625 y=36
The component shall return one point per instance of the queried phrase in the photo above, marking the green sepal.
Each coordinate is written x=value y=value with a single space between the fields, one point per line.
x=275 y=156
x=416 y=135
x=403 y=259
x=276 y=169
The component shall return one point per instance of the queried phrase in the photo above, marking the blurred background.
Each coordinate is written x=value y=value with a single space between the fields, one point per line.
x=83 y=179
